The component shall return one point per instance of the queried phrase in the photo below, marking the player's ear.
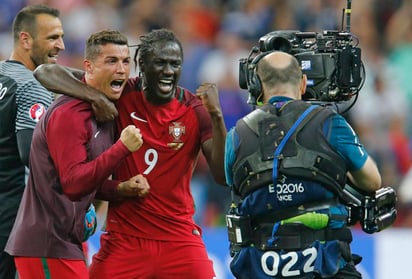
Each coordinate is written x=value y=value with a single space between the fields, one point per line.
x=87 y=66
x=303 y=84
x=26 y=40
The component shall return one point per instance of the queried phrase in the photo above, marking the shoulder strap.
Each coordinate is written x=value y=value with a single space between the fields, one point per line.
x=286 y=138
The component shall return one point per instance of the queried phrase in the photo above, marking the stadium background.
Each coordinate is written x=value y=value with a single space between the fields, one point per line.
x=217 y=33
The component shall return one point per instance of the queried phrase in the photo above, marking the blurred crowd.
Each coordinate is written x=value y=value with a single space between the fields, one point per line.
x=217 y=33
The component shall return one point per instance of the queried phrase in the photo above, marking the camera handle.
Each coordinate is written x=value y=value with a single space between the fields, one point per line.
x=375 y=212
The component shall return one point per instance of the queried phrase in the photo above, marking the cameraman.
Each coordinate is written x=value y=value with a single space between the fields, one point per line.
x=297 y=226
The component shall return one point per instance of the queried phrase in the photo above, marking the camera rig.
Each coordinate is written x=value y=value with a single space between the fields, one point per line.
x=331 y=61
x=374 y=211
x=335 y=72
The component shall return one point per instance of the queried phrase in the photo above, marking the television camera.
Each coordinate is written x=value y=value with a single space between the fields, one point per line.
x=331 y=61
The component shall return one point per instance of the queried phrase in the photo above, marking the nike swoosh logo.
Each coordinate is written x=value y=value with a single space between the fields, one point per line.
x=97 y=133
x=134 y=116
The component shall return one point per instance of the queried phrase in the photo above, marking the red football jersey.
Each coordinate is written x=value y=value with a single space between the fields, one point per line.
x=172 y=137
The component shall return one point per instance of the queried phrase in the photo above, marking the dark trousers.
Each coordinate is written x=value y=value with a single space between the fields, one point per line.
x=348 y=272
x=7 y=266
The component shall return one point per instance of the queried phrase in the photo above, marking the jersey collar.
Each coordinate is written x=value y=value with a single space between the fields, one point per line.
x=277 y=99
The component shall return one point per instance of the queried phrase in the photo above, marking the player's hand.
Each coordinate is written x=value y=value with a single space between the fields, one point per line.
x=209 y=94
x=137 y=186
x=131 y=138
x=103 y=108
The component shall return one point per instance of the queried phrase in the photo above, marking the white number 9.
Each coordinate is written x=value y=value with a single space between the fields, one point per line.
x=150 y=158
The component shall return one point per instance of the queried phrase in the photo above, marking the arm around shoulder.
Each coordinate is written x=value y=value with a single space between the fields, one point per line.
x=58 y=78
x=66 y=81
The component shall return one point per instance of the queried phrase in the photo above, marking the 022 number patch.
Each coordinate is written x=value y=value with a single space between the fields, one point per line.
x=289 y=264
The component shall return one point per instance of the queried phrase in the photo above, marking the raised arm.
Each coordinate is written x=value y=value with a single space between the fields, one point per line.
x=214 y=149
x=66 y=81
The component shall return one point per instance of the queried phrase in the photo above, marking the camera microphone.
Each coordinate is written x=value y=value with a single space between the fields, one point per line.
x=348 y=12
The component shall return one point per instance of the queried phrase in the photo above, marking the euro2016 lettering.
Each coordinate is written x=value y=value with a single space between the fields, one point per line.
x=286 y=190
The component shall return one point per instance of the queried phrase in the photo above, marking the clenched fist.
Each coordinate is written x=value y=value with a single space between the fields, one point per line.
x=209 y=94
x=131 y=138
x=137 y=186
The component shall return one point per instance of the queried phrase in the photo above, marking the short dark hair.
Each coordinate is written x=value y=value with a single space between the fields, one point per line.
x=25 y=19
x=145 y=48
x=98 y=39
x=272 y=76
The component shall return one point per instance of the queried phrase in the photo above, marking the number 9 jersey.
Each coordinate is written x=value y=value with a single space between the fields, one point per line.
x=172 y=137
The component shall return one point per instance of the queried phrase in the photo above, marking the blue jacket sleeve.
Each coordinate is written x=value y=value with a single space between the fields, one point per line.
x=346 y=142
x=231 y=145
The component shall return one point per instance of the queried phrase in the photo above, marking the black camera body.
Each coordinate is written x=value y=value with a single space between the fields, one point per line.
x=374 y=212
x=330 y=60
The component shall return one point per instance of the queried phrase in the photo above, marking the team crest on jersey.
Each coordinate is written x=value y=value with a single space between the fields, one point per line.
x=177 y=130
x=37 y=111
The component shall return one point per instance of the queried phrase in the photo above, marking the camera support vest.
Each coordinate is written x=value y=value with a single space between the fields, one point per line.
x=306 y=155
